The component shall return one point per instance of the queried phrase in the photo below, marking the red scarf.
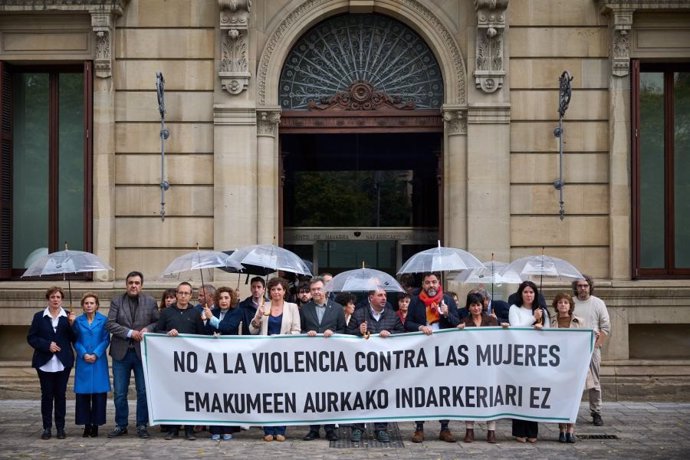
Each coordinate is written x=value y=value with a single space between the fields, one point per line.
x=432 y=303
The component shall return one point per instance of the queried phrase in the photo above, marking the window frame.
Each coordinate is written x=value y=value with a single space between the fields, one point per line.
x=7 y=271
x=669 y=271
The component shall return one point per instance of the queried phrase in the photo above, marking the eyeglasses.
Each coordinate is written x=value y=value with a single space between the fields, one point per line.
x=184 y=293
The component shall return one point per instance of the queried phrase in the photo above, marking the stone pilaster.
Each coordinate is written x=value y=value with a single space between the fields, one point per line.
x=267 y=174
x=489 y=63
x=234 y=45
x=455 y=176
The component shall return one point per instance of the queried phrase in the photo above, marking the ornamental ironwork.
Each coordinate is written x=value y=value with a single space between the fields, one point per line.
x=372 y=53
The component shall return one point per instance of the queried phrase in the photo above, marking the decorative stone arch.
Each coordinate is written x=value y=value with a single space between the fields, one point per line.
x=414 y=14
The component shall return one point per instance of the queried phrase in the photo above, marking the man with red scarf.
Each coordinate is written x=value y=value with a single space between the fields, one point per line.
x=429 y=311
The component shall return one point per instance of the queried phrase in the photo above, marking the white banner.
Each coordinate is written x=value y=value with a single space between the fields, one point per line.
x=483 y=373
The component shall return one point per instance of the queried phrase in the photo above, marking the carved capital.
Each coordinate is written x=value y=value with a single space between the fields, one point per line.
x=455 y=120
x=233 y=69
x=102 y=25
x=620 y=43
x=491 y=23
x=267 y=120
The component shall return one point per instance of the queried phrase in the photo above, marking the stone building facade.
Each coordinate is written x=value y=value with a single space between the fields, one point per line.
x=484 y=123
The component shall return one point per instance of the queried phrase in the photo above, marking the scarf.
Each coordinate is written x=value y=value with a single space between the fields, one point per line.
x=431 y=304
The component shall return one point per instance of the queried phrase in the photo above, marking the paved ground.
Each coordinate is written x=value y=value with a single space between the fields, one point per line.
x=643 y=430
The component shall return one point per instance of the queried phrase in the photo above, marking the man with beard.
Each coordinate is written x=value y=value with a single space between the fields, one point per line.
x=303 y=294
x=375 y=318
x=592 y=310
x=321 y=316
x=129 y=317
x=429 y=311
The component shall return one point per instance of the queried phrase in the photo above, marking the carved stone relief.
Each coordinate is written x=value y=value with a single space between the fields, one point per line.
x=491 y=23
x=234 y=46
x=267 y=121
x=455 y=119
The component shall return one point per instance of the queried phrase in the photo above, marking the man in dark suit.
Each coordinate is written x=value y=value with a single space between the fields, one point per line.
x=376 y=318
x=249 y=305
x=321 y=316
x=432 y=310
x=130 y=316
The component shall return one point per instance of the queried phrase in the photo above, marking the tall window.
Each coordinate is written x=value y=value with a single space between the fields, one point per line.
x=46 y=162
x=661 y=162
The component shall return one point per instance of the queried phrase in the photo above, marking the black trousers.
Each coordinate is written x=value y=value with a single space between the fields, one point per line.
x=325 y=427
x=525 y=429
x=53 y=389
x=90 y=408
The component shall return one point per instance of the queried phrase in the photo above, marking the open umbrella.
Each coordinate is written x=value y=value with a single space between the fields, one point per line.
x=65 y=262
x=541 y=266
x=492 y=272
x=440 y=259
x=198 y=260
x=263 y=259
x=363 y=280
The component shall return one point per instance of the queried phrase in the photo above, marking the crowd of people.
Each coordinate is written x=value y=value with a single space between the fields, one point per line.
x=274 y=308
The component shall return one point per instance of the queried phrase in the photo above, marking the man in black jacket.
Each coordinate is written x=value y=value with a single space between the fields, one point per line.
x=321 y=316
x=375 y=318
x=431 y=310
x=249 y=305
x=181 y=318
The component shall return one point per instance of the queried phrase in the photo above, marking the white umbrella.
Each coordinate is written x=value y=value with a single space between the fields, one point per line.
x=266 y=258
x=440 y=259
x=363 y=280
x=64 y=262
x=541 y=266
x=198 y=260
x=491 y=272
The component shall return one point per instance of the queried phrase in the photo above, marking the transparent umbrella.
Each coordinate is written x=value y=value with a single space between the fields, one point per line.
x=363 y=280
x=440 y=259
x=65 y=262
x=267 y=258
x=198 y=260
x=491 y=272
x=541 y=266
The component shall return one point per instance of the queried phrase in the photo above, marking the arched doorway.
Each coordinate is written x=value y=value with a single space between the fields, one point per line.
x=361 y=138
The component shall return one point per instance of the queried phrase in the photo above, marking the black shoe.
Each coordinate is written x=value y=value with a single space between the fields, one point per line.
x=597 y=420
x=142 y=432
x=46 y=433
x=61 y=433
x=311 y=436
x=189 y=435
x=118 y=431
x=561 y=437
x=171 y=434
x=570 y=438
x=383 y=436
x=331 y=435
x=356 y=435
x=94 y=431
x=87 y=431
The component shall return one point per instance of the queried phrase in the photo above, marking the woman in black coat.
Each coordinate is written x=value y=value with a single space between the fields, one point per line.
x=51 y=337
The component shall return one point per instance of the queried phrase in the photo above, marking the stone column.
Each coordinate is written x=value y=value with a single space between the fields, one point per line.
x=488 y=181
x=267 y=120
x=102 y=23
x=619 y=146
x=455 y=176
x=234 y=177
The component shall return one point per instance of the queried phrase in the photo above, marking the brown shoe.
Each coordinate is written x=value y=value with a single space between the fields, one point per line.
x=491 y=437
x=418 y=436
x=280 y=438
x=469 y=435
x=447 y=436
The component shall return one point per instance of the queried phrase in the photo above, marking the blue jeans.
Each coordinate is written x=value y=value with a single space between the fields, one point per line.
x=122 y=370
x=275 y=430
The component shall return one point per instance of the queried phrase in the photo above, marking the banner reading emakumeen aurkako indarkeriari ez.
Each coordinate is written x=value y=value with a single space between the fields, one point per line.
x=471 y=374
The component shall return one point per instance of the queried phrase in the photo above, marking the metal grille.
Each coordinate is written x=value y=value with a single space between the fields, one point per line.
x=368 y=439
x=369 y=48
x=597 y=436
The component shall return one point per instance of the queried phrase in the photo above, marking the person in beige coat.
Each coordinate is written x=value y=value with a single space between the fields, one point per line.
x=276 y=318
x=563 y=317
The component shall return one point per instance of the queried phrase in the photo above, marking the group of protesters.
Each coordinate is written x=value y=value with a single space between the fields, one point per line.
x=55 y=334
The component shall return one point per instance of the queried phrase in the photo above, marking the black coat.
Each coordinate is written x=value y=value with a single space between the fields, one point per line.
x=389 y=321
x=416 y=314
x=41 y=334
x=230 y=323
x=247 y=310
x=333 y=318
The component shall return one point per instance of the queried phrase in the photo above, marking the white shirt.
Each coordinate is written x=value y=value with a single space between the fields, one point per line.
x=524 y=317
x=54 y=365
